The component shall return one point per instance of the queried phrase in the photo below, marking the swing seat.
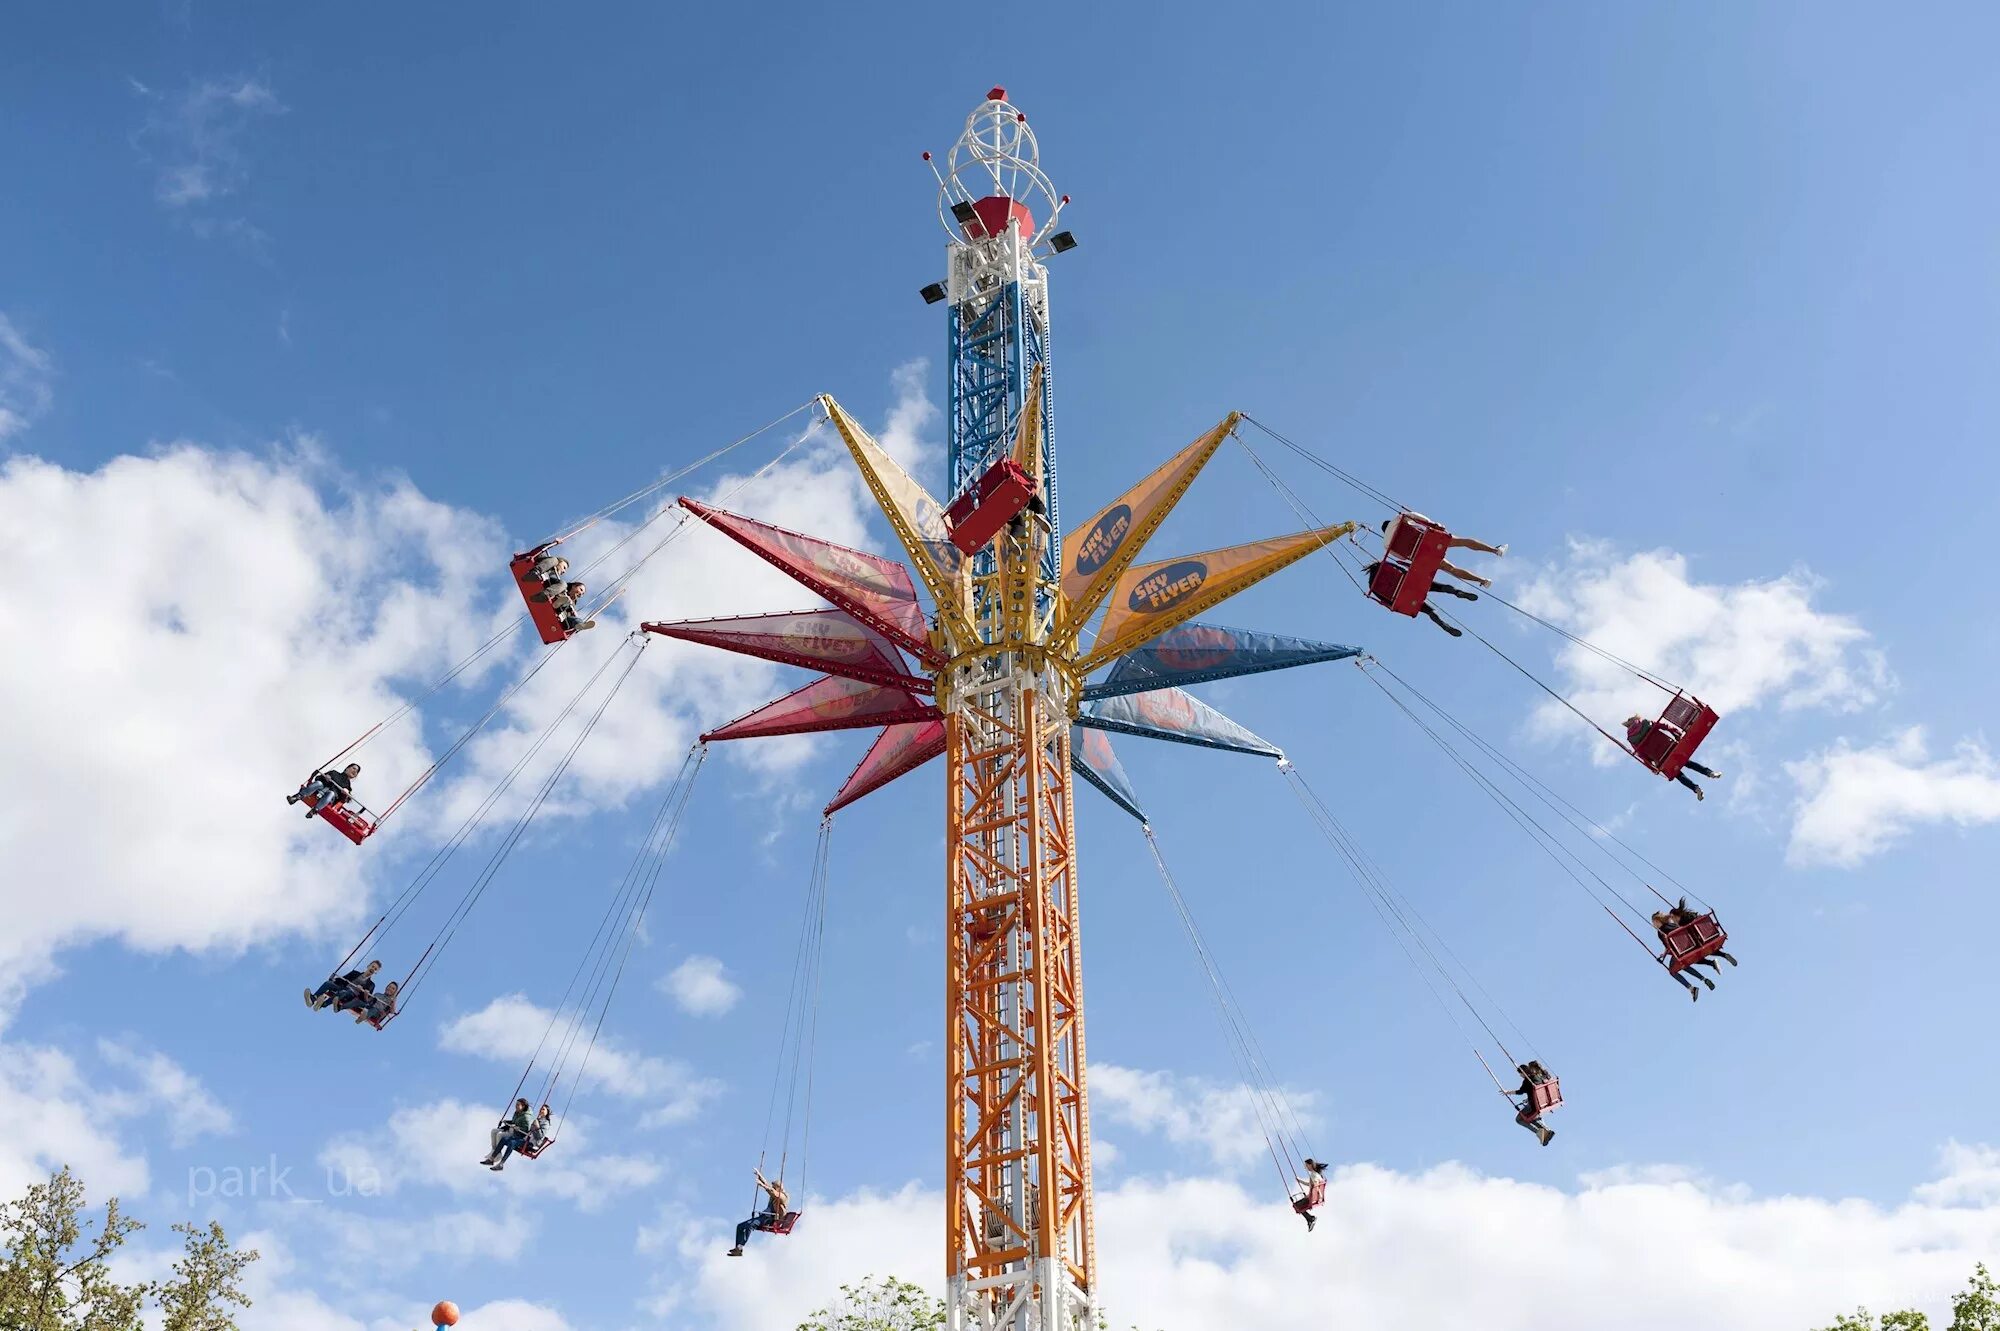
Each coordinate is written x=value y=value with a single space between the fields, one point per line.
x=1413 y=551
x=1544 y=1096
x=1672 y=740
x=348 y=818
x=1311 y=1197
x=988 y=504
x=534 y=1151
x=785 y=1223
x=1698 y=939
x=547 y=624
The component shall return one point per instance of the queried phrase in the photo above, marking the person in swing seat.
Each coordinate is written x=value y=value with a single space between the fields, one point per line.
x=1455 y=543
x=509 y=1135
x=775 y=1201
x=1314 y=1184
x=1533 y=1074
x=333 y=786
x=1429 y=610
x=345 y=992
x=563 y=598
x=1637 y=728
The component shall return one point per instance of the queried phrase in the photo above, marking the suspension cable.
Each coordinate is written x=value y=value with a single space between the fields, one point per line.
x=1283 y=1138
x=1564 y=858
x=512 y=837
x=607 y=927
x=691 y=768
x=668 y=479
x=1413 y=934
x=1595 y=832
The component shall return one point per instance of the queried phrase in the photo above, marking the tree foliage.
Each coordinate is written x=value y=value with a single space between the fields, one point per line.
x=1976 y=1308
x=886 y=1304
x=55 y=1268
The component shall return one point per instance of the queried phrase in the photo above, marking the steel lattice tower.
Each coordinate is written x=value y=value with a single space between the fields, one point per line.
x=1020 y=1242
x=1002 y=659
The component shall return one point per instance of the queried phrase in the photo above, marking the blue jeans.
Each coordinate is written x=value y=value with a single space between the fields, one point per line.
x=763 y=1220
x=318 y=787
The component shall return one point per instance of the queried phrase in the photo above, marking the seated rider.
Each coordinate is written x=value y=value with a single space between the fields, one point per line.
x=1368 y=573
x=1533 y=1074
x=1637 y=728
x=775 y=1200
x=549 y=570
x=1455 y=543
x=378 y=1008
x=1682 y=913
x=563 y=598
x=345 y=992
x=1314 y=1184
x=326 y=789
x=519 y=1133
x=510 y=1135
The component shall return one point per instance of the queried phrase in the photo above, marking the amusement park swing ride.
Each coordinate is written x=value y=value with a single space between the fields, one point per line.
x=1014 y=649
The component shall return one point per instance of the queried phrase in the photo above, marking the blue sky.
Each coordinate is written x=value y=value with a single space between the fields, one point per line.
x=1695 y=307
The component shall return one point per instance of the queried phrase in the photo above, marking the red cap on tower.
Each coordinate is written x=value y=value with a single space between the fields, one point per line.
x=996 y=94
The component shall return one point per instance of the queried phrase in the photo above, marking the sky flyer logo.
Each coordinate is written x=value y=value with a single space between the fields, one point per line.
x=1165 y=588
x=1103 y=539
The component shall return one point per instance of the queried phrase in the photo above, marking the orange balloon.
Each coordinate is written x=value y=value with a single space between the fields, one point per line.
x=445 y=1314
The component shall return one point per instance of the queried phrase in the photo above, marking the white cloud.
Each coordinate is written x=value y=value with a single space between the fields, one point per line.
x=515 y=1315
x=25 y=374
x=440 y=1144
x=224 y=621
x=220 y=624
x=1447 y=1247
x=1188 y=1111
x=700 y=987
x=175 y=1095
x=1737 y=645
x=509 y=1029
x=59 y=1111
x=1853 y=803
x=195 y=141
x=53 y=1119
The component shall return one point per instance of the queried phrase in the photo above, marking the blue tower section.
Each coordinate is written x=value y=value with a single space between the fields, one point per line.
x=992 y=348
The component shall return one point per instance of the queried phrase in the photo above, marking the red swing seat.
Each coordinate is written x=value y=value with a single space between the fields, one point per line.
x=1311 y=1197
x=349 y=817
x=547 y=623
x=1542 y=1097
x=535 y=1150
x=1700 y=938
x=988 y=504
x=784 y=1224
x=1413 y=551
x=1672 y=740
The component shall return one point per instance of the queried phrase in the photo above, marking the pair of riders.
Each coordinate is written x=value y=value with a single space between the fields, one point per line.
x=563 y=596
x=1533 y=1074
x=1463 y=575
x=518 y=1132
x=355 y=992
x=1664 y=923
x=326 y=790
x=1638 y=728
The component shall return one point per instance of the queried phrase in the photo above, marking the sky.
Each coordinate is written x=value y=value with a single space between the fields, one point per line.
x=309 y=317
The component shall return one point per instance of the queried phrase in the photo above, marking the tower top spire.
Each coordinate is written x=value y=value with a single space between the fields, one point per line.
x=993 y=177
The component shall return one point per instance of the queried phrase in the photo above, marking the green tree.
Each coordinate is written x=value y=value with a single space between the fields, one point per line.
x=207 y=1283
x=55 y=1272
x=1978 y=1308
x=55 y=1268
x=879 y=1305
